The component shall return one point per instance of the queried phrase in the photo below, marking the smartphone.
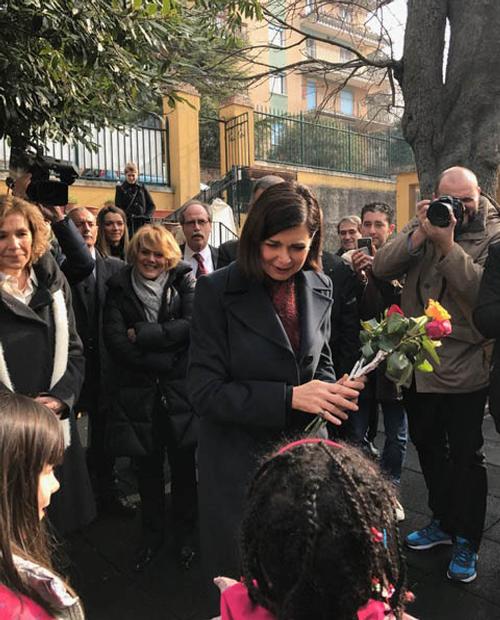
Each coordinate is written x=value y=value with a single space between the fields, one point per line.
x=365 y=245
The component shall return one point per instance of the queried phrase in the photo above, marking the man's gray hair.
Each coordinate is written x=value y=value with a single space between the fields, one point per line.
x=352 y=219
x=190 y=203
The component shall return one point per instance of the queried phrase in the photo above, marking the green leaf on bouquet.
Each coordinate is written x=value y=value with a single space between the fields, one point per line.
x=397 y=361
x=367 y=351
x=399 y=369
x=364 y=336
x=410 y=348
x=388 y=343
x=430 y=347
x=370 y=325
x=396 y=324
x=417 y=325
x=424 y=366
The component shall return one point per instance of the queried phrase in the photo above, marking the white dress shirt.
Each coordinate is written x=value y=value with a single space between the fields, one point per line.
x=206 y=254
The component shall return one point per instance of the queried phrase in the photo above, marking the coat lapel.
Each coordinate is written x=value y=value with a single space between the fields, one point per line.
x=252 y=305
x=100 y=271
x=315 y=300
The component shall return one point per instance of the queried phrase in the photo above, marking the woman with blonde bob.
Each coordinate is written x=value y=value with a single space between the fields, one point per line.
x=31 y=444
x=112 y=232
x=147 y=320
x=40 y=352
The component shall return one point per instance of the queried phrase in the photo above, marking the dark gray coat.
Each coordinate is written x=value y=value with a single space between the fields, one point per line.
x=487 y=320
x=240 y=378
x=89 y=322
x=156 y=363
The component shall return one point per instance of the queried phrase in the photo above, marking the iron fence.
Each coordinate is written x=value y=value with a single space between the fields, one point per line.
x=146 y=145
x=298 y=141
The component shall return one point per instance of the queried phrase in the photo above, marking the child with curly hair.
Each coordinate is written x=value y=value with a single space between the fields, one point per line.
x=319 y=540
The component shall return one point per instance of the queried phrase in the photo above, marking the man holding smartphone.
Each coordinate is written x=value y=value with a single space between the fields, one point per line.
x=374 y=296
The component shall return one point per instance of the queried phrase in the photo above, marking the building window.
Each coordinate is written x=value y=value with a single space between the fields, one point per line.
x=311 y=94
x=347 y=102
x=311 y=48
x=309 y=7
x=277 y=84
x=276 y=35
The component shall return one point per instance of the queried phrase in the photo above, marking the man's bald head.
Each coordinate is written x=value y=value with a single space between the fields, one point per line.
x=461 y=183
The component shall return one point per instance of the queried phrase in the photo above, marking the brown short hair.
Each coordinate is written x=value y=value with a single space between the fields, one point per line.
x=281 y=206
x=131 y=166
x=10 y=205
x=154 y=236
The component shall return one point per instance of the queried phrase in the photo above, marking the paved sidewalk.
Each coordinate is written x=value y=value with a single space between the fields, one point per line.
x=102 y=557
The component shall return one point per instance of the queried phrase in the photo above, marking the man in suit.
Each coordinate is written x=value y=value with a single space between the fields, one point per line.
x=88 y=303
x=195 y=217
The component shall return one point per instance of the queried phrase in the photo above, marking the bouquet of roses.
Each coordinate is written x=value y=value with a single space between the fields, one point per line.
x=406 y=343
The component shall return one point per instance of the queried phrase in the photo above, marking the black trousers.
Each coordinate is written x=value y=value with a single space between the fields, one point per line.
x=447 y=432
x=151 y=482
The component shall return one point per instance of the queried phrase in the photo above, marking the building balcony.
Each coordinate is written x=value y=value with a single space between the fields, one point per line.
x=327 y=24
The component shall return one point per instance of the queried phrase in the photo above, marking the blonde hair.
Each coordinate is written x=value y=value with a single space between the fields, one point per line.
x=131 y=166
x=40 y=232
x=158 y=238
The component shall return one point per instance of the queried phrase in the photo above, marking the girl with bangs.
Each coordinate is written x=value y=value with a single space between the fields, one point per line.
x=147 y=318
x=31 y=444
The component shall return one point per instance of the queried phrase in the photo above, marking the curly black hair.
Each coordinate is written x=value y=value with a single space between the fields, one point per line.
x=312 y=539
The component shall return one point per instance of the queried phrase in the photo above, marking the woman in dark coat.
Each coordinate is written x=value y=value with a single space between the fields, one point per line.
x=40 y=351
x=134 y=199
x=260 y=363
x=147 y=318
x=487 y=320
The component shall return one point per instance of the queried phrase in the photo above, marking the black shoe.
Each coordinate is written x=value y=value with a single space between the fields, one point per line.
x=116 y=506
x=372 y=449
x=145 y=556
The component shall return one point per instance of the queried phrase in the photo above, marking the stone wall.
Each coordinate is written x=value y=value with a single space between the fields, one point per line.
x=339 y=202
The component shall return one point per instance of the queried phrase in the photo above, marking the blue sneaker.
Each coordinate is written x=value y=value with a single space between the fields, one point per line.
x=428 y=537
x=463 y=562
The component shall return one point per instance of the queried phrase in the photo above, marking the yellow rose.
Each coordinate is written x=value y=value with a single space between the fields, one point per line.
x=436 y=311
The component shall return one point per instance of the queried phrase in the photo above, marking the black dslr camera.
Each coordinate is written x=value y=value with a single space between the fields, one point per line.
x=48 y=193
x=440 y=211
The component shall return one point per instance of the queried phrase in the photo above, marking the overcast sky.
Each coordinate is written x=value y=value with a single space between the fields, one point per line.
x=394 y=16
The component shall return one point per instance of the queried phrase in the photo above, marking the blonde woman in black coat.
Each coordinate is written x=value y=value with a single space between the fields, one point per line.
x=147 y=317
x=260 y=363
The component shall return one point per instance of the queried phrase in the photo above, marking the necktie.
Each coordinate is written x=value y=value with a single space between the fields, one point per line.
x=202 y=270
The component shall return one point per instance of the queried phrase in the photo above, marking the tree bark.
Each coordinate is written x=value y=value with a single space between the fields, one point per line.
x=452 y=119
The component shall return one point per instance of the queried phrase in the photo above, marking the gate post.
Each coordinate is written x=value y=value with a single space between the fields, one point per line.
x=184 y=143
x=242 y=134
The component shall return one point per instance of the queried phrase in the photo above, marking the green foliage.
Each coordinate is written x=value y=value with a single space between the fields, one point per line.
x=67 y=64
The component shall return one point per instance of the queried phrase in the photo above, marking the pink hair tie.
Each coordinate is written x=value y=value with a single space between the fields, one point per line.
x=305 y=441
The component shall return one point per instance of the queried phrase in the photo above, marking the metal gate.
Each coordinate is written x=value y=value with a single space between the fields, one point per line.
x=237 y=141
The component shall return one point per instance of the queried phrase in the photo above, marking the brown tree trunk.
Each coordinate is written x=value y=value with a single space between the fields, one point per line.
x=452 y=119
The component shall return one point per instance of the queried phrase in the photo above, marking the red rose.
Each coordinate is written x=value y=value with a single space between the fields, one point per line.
x=438 y=329
x=395 y=309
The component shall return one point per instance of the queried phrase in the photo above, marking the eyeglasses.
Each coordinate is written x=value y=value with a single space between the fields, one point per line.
x=196 y=222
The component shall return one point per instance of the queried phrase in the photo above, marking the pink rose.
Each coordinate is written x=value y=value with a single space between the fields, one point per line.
x=395 y=309
x=438 y=329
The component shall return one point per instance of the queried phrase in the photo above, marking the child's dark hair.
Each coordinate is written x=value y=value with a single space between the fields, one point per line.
x=319 y=536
